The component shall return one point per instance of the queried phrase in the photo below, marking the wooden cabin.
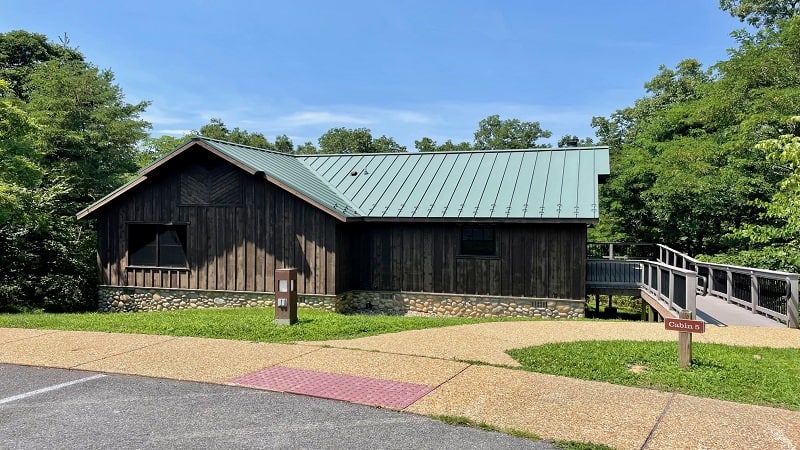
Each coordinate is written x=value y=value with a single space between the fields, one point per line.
x=499 y=232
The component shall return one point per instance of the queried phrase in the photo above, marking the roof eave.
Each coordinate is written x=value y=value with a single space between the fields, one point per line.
x=538 y=220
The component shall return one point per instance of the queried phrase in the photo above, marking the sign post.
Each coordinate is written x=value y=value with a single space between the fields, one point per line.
x=685 y=326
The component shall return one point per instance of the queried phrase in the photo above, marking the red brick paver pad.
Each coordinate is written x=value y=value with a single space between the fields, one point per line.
x=367 y=391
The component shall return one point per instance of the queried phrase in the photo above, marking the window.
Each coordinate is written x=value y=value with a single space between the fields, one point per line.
x=157 y=245
x=477 y=241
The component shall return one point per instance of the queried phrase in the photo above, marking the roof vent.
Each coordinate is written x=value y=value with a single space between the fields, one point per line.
x=572 y=142
x=353 y=173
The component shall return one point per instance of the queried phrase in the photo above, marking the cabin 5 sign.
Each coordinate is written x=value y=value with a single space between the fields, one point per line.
x=685 y=325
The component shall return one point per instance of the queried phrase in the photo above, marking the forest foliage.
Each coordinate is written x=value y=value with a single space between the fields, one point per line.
x=707 y=161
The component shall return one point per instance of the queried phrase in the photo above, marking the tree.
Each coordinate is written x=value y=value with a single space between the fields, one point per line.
x=67 y=137
x=306 y=148
x=775 y=242
x=685 y=165
x=87 y=130
x=761 y=13
x=386 y=144
x=494 y=133
x=429 y=145
x=571 y=140
x=153 y=148
x=21 y=52
x=283 y=144
x=344 y=140
x=216 y=129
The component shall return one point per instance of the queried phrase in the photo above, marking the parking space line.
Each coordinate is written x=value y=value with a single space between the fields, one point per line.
x=50 y=388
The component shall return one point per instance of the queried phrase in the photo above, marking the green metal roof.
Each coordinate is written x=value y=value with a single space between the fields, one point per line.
x=538 y=184
x=497 y=184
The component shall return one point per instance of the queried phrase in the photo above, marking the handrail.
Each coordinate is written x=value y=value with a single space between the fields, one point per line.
x=678 y=291
x=768 y=292
x=762 y=293
x=674 y=287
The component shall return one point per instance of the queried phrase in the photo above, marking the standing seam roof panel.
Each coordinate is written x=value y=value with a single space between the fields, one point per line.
x=340 y=169
x=442 y=203
x=374 y=179
x=534 y=197
x=482 y=178
x=508 y=184
x=378 y=195
x=465 y=182
x=429 y=201
x=369 y=172
x=428 y=178
x=551 y=200
x=488 y=198
x=570 y=182
x=405 y=199
x=585 y=196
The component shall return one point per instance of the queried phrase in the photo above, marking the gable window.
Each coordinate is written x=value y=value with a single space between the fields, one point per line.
x=477 y=241
x=157 y=245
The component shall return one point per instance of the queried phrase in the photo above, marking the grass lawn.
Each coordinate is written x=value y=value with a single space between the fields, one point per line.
x=249 y=324
x=755 y=375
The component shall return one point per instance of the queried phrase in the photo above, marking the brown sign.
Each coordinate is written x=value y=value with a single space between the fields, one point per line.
x=686 y=325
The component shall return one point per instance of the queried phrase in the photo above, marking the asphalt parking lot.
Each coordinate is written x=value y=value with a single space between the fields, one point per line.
x=56 y=408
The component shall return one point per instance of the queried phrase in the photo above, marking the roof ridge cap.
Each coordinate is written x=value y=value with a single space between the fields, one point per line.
x=453 y=152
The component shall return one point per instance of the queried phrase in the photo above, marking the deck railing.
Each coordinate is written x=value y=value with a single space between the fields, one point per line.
x=768 y=292
x=771 y=293
x=674 y=287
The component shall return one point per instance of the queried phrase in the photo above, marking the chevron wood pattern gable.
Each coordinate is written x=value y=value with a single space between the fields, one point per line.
x=215 y=185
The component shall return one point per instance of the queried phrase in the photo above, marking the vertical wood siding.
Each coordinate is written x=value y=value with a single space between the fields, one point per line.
x=544 y=261
x=229 y=247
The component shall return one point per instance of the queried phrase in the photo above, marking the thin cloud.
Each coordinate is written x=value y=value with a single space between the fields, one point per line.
x=305 y=118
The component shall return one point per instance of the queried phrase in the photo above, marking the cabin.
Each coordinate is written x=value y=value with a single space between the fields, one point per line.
x=479 y=233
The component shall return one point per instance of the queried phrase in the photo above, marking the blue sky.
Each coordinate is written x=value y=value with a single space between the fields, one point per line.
x=406 y=69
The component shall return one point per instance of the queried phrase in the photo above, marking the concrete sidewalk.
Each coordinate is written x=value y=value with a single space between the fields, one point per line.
x=552 y=407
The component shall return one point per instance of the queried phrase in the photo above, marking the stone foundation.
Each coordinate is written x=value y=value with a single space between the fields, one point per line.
x=121 y=299
x=458 y=305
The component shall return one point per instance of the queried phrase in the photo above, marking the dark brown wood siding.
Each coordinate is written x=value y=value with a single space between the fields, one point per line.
x=543 y=261
x=234 y=246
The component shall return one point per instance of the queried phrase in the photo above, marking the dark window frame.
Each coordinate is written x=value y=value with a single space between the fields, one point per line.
x=478 y=241
x=158 y=245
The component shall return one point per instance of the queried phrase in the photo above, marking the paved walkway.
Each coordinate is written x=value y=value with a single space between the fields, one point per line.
x=419 y=372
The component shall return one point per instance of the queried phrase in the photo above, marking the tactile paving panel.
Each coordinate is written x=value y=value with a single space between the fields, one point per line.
x=363 y=390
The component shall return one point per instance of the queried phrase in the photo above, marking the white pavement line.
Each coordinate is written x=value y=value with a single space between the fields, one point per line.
x=50 y=388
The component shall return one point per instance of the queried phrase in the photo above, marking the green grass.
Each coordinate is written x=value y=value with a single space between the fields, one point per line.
x=462 y=421
x=755 y=375
x=249 y=324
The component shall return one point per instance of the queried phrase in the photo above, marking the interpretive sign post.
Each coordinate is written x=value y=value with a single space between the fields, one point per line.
x=686 y=326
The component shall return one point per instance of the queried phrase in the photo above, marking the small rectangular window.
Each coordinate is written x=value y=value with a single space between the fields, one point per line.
x=157 y=245
x=477 y=241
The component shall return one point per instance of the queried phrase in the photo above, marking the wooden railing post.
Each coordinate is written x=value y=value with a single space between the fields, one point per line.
x=671 y=287
x=729 y=290
x=710 y=281
x=691 y=293
x=754 y=291
x=792 y=301
x=611 y=251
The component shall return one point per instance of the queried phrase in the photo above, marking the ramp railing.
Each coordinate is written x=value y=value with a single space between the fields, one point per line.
x=768 y=292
